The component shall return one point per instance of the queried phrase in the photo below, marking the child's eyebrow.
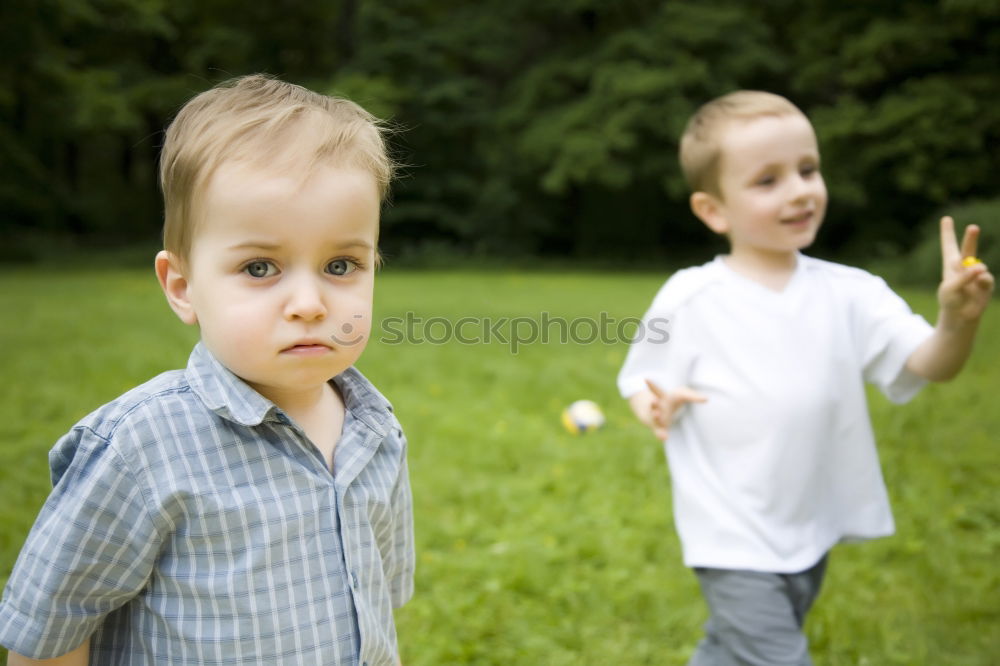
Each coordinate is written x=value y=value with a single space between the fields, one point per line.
x=255 y=245
x=271 y=245
x=355 y=243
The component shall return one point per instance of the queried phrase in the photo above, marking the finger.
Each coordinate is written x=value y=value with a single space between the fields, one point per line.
x=949 y=243
x=683 y=394
x=657 y=391
x=656 y=409
x=960 y=279
x=976 y=277
x=985 y=281
x=970 y=241
x=678 y=398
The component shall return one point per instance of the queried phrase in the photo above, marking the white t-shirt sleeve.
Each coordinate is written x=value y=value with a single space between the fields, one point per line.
x=653 y=353
x=889 y=332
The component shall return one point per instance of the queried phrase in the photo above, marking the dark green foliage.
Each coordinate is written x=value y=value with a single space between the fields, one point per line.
x=922 y=266
x=528 y=126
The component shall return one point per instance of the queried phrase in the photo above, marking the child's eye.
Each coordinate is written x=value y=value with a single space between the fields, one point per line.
x=765 y=181
x=341 y=267
x=809 y=170
x=260 y=269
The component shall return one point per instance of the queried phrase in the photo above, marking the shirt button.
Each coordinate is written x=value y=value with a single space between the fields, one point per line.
x=354 y=580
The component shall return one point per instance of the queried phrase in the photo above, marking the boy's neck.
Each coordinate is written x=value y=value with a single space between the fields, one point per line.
x=320 y=414
x=770 y=270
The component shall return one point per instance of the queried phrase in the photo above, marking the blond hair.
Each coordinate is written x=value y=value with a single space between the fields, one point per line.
x=261 y=121
x=701 y=146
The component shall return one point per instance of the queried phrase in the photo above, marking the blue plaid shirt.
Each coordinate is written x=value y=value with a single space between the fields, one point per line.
x=191 y=522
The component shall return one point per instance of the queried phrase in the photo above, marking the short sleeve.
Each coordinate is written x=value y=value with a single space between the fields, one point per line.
x=654 y=350
x=889 y=332
x=90 y=551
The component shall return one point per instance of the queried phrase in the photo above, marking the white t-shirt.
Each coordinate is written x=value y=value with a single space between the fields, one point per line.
x=780 y=463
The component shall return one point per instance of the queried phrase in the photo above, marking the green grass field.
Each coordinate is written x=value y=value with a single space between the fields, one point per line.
x=536 y=547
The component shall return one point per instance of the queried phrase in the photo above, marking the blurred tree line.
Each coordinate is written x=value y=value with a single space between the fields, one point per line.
x=528 y=127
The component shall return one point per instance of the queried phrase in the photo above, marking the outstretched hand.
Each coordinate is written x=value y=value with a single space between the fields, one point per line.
x=966 y=283
x=966 y=287
x=667 y=404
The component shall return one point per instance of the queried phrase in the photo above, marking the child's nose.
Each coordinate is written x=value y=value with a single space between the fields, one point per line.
x=305 y=299
x=805 y=187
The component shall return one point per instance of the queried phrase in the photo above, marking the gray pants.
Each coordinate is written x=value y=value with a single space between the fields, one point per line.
x=756 y=618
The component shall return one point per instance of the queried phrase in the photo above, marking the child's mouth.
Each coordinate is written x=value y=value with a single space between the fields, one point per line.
x=307 y=349
x=799 y=220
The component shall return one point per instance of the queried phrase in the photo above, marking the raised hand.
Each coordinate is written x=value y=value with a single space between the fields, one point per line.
x=666 y=405
x=966 y=283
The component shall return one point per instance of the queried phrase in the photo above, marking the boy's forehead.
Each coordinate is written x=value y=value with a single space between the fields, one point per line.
x=237 y=180
x=246 y=196
x=765 y=134
x=735 y=128
x=242 y=181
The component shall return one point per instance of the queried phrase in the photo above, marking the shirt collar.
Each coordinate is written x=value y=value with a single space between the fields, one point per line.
x=223 y=392
x=233 y=399
x=722 y=269
x=364 y=401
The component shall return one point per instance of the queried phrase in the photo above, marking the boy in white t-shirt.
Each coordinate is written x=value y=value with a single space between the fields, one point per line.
x=761 y=383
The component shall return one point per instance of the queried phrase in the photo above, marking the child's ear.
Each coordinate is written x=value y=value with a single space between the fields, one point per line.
x=709 y=210
x=169 y=271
